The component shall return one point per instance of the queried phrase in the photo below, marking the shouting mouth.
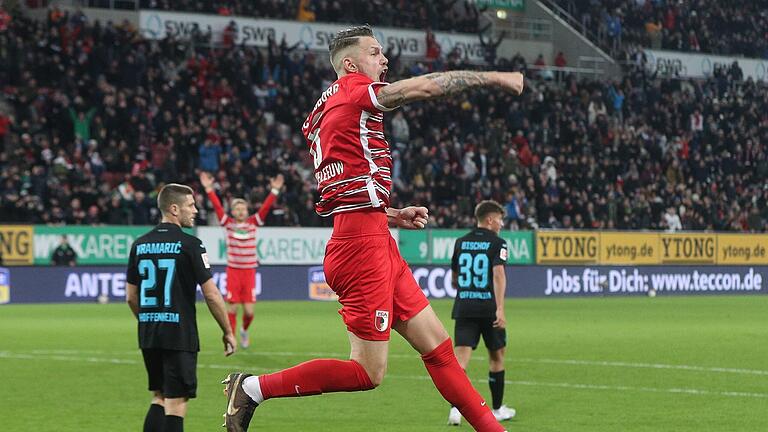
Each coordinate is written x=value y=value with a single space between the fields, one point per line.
x=383 y=75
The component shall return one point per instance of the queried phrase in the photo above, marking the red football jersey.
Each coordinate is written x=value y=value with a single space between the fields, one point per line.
x=345 y=132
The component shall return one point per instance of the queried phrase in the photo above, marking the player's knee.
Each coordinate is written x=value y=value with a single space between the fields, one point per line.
x=496 y=365
x=375 y=373
x=496 y=360
x=377 y=376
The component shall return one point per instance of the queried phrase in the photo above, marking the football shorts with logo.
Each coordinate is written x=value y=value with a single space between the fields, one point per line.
x=241 y=285
x=364 y=268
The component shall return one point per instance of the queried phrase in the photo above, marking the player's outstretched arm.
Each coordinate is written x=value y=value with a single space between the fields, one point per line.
x=219 y=311
x=440 y=84
x=275 y=184
x=206 y=180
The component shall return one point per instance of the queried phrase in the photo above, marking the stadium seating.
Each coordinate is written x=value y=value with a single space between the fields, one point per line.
x=96 y=118
x=447 y=15
x=735 y=27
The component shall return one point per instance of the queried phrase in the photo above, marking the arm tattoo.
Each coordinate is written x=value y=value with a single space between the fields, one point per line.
x=456 y=81
x=391 y=99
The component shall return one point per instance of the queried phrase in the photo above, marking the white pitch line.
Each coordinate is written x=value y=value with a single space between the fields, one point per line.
x=617 y=364
x=643 y=366
x=690 y=391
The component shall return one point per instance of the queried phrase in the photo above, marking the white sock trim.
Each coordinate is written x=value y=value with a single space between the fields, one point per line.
x=252 y=388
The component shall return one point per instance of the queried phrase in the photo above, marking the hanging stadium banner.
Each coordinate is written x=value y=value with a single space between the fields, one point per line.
x=274 y=246
x=511 y=5
x=629 y=248
x=435 y=246
x=687 y=65
x=415 y=246
x=93 y=245
x=311 y=35
x=15 y=245
x=742 y=249
x=567 y=247
x=688 y=248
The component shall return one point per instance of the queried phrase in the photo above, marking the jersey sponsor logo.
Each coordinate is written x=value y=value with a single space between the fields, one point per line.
x=170 y=317
x=474 y=295
x=381 y=321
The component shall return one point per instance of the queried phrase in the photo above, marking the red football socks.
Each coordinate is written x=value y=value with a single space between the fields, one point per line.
x=452 y=382
x=315 y=377
x=233 y=320
x=247 y=319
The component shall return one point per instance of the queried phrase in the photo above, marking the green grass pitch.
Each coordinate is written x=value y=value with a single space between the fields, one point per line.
x=598 y=364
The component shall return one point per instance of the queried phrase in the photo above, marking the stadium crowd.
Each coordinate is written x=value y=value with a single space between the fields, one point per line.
x=446 y=15
x=736 y=27
x=95 y=119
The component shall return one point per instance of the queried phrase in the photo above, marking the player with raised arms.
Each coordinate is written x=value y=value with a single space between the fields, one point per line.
x=242 y=257
x=376 y=289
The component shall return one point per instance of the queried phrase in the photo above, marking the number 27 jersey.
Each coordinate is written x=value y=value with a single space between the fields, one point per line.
x=345 y=133
x=166 y=265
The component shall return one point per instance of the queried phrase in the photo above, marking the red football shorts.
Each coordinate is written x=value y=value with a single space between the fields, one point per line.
x=241 y=285
x=374 y=284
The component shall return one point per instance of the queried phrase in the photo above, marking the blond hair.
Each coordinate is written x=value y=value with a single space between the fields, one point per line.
x=237 y=201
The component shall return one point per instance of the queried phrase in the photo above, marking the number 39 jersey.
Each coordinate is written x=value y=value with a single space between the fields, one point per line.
x=474 y=256
x=166 y=265
x=352 y=160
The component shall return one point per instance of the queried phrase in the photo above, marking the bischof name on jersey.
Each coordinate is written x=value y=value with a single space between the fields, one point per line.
x=475 y=245
x=329 y=171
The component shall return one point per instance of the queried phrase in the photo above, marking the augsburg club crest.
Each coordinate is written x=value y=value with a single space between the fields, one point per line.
x=381 y=321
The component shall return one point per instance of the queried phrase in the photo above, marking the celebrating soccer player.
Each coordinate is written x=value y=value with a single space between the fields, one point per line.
x=241 y=250
x=478 y=276
x=376 y=289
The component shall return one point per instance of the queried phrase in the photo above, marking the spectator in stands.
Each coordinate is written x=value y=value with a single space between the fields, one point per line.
x=491 y=47
x=672 y=220
x=64 y=255
x=728 y=28
x=561 y=63
x=434 y=51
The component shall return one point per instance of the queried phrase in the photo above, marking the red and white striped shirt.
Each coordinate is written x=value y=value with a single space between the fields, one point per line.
x=352 y=161
x=241 y=236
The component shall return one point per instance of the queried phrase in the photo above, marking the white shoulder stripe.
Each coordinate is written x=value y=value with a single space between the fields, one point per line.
x=375 y=100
